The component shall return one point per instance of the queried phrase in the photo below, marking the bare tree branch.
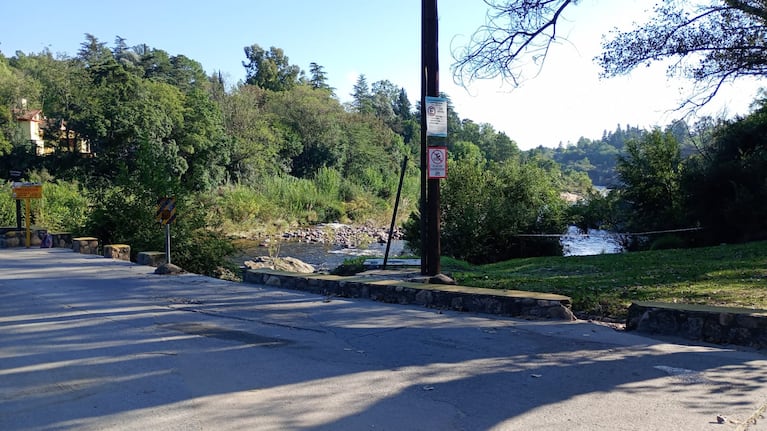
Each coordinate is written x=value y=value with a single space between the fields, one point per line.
x=513 y=31
x=712 y=44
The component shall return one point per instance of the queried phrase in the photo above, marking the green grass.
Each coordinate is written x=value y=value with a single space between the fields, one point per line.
x=604 y=285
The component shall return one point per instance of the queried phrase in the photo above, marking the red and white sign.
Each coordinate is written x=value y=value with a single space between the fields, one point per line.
x=437 y=162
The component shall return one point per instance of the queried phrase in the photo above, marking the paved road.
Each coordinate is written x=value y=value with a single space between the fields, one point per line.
x=91 y=343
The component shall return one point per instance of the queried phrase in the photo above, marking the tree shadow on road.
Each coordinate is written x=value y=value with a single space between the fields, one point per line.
x=111 y=346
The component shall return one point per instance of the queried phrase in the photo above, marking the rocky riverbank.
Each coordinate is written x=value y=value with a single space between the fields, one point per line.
x=346 y=236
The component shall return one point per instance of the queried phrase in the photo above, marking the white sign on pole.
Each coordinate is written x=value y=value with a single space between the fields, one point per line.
x=437 y=162
x=436 y=116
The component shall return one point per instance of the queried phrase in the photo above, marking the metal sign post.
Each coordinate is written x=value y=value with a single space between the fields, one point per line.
x=167 y=242
x=16 y=177
x=165 y=214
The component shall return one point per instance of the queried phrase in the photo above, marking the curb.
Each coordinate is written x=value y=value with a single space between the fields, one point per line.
x=514 y=303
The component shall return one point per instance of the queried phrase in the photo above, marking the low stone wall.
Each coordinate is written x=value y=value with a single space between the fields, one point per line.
x=719 y=325
x=10 y=237
x=529 y=305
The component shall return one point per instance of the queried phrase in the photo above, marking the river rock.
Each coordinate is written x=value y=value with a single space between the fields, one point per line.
x=168 y=269
x=287 y=264
x=342 y=235
x=441 y=279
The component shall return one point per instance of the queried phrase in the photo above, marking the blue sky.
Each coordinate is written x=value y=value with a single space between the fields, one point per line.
x=381 y=39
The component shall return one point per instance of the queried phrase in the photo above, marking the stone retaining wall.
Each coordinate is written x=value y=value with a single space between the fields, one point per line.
x=529 y=305
x=10 y=237
x=720 y=325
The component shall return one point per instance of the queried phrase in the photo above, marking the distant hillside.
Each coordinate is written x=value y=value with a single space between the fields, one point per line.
x=598 y=157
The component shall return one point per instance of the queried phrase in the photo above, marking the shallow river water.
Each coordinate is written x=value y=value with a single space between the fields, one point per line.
x=595 y=241
x=325 y=257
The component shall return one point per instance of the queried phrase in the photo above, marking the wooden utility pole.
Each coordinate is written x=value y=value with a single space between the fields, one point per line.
x=430 y=220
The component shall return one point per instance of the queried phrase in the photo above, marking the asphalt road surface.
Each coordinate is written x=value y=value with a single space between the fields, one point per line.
x=89 y=343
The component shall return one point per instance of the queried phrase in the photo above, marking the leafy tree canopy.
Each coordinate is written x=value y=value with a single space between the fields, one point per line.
x=270 y=70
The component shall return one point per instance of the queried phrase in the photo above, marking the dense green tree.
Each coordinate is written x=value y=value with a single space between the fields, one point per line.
x=486 y=212
x=256 y=143
x=467 y=151
x=402 y=106
x=600 y=211
x=362 y=98
x=318 y=78
x=309 y=121
x=650 y=172
x=370 y=143
x=93 y=53
x=725 y=183
x=201 y=138
x=14 y=86
x=495 y=145
x=465 y=210
x=270 y=70
x=468 y=131
x=384 y=97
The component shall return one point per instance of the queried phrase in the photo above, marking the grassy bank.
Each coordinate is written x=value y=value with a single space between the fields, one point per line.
x=605 y=285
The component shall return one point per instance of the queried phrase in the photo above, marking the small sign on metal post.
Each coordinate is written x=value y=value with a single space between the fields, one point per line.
x=165 y=213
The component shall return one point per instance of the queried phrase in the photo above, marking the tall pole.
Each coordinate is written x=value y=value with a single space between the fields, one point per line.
x=396 y=208
x=424 y=143
x=430 y=218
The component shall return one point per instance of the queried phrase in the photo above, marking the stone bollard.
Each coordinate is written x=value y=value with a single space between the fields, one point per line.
x=62 y=239
x=117 y=251
x=85 y=245
x=150 y=258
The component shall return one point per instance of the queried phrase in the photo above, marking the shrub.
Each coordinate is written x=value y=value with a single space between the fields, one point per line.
x=239 y=204
x=7 y=208
x=64 y=207
x=667 y=242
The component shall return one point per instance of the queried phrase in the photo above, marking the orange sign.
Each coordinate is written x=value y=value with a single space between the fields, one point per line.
x=27 y=191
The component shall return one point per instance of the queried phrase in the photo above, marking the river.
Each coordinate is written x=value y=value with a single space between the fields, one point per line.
x=595 y=241
x=324 y=257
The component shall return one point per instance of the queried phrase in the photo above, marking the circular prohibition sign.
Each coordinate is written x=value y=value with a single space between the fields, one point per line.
x=436 y=158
